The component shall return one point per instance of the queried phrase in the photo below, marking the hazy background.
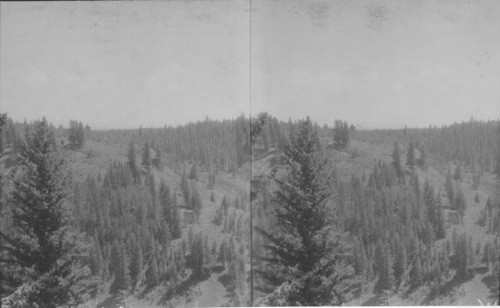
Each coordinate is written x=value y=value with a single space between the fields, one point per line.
x=372 y=63
x=126 y=63
x=377 y=63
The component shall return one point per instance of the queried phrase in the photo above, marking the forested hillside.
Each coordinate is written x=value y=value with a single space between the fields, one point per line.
x=162 y=213
x=411 y=235
x=161 y=216
x=472 y=144
x=222 y=144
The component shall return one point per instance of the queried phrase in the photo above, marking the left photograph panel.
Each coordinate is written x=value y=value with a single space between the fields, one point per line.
x=125 y=154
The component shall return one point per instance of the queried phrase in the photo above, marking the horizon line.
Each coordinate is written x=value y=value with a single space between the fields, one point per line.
x=358 y=124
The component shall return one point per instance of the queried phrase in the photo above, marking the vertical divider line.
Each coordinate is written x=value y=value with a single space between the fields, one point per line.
x=250 y=136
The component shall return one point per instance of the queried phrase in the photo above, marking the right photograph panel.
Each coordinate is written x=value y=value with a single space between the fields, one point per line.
x=375 y=158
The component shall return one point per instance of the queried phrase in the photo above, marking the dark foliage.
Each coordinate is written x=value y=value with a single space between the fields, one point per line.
x=46 y=257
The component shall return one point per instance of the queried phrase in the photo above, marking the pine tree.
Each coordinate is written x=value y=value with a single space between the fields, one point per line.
x=486 y=254
x=462 y=256
x=165 y=201
x=136 y=265
x=3 y=128
x=387 y=281
x=172 y=272
x=157 y=160
x=152 y=273
x=146 y=155
x=122 y=281
x=97 y=266
x=45 y=252
x=185 y=188
x=410 y=157
x=435 y=273
x=473 y=258
x=175 y=221
x=361 y=259
x=439 y=227
x=396 y=162
x=476 y=180
x=132 y=162
x=341 y=135
x=460 y=203
x=212 y=175
x=87 y=131
x=352 y=130
x=114 y=257
x=196 y=203
x=423 y=159
x=193 y=174
x=80 y=135
x=197 y=257
x=76 y=134
x=449 y=188
x=444 y=261
x=306 y=250
x=401 y=265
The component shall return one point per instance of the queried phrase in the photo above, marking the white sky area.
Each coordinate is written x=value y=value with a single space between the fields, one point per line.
x=127 y=63
x=378 y=64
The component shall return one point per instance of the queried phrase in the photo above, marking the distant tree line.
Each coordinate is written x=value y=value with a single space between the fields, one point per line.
x=76 y=134
x=209 y=143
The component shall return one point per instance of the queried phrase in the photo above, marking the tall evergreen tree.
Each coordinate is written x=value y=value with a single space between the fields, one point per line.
x=3 y=128
x=80 y=135
x=387 y=280
x=422 y=159
x=460 y=203
x=341 y=135
x=136 y=265
x=396 y=162
x=401 y=265
x=87 y=131
x=193 y=174
x=157 y=161
x=449 y=188
x=417 y=272
x=45 y=252
x=361 y=259
x=410 y=157
x=97 y=265
x=132 y=164
x=152 y=273
x=175 y=224
x=439 y=227
x=185 y=188
x=165 y=201
x=306 y=250
x=146 y=155
x=197 y=257
x=463 y=256
x=122 y=281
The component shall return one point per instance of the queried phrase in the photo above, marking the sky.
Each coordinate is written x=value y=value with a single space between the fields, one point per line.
x=125 y=64
x=377 y=64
